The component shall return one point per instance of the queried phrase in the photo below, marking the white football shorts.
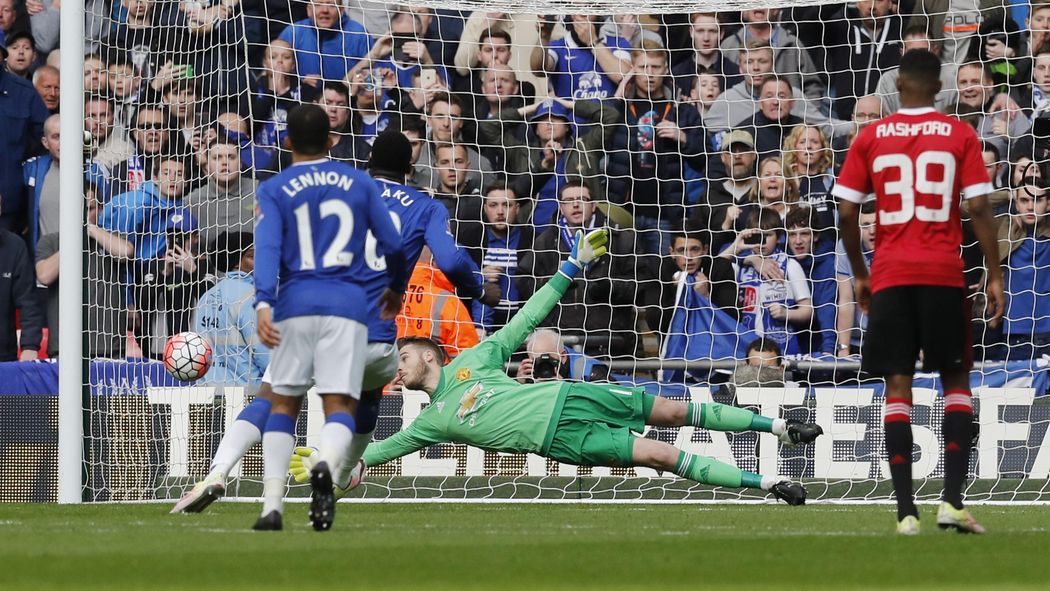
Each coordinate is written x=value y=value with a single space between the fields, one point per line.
x=380 y=366
x=326 y=351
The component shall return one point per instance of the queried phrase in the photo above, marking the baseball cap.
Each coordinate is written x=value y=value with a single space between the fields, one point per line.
x=550 y=107
x=180 y=220
x=738 y=136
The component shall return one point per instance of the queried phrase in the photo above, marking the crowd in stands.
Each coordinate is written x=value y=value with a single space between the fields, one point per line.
x=707 y=143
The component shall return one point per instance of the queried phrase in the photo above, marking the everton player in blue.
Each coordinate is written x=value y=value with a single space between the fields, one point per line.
x=420 y=220
x=312 y=233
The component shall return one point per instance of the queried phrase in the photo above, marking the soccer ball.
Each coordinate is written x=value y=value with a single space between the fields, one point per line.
x=187 y=356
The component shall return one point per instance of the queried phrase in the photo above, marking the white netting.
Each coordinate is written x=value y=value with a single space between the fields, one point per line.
x=648 y=102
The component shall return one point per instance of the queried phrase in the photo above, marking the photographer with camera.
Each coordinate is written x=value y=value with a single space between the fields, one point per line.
x=545 y=360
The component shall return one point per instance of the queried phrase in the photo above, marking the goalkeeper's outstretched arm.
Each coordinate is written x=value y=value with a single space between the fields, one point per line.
x=506 y=341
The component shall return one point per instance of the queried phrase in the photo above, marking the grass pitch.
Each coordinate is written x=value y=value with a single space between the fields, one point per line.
x=505 y=547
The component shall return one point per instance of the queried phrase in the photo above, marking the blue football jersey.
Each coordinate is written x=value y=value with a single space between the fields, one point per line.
x=422 y=222
x=312 y=232
x=577 y=74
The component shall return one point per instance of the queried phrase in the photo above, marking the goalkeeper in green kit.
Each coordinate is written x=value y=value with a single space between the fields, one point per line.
x=473 y=401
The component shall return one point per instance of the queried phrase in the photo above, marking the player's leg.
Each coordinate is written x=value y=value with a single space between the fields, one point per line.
x=292 y=369
x=891 y=347
x=245 y=432
x=380 y=370
x=723 y=417
x=667 y=458
x=341 y=353
x=947 y=343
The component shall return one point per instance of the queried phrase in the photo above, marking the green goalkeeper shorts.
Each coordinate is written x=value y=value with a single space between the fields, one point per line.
x=597 y=424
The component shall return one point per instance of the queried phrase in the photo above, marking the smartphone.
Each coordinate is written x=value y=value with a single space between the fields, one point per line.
x=428 y=77
x=398 y=52
x=182 y=71
x=754 y=239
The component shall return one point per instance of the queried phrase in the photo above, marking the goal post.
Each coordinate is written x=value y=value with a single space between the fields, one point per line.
x=197 y=95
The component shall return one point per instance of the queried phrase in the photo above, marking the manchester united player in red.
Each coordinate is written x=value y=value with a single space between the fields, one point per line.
x=917 y=163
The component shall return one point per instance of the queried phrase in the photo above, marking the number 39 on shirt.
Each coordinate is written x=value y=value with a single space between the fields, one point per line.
x=915 y=176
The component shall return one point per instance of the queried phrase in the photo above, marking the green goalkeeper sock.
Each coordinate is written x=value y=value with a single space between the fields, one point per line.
x=723 y=417
x=707 y=471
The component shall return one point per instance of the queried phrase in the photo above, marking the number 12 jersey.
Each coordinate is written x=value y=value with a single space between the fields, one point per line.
x=916 y=162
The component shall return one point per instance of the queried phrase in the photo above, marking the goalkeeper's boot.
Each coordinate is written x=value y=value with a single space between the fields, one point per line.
x=272 y=521
x=322 y=499
x=202 y=494
x=798 y=432
x=792 y=493
x=959 y=519
x=909 y=526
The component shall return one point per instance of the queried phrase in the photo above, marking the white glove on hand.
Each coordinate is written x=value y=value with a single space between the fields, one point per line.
x=589 y=247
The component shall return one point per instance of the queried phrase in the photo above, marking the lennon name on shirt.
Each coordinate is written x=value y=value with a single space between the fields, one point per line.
x=317 y=178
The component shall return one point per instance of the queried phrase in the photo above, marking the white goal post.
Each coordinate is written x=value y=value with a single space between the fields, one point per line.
x=127 y=432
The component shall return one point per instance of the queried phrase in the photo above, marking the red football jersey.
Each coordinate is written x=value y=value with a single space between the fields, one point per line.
x=917 y=162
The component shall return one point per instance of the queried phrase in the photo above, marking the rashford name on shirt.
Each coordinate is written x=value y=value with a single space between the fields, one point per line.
x=901 y=129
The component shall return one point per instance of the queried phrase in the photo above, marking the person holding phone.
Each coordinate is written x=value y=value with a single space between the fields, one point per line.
x=403 y=51
x=775 y=305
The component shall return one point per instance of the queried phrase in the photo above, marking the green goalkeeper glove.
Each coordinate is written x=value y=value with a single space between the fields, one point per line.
x=588 y=247
x=304 y=459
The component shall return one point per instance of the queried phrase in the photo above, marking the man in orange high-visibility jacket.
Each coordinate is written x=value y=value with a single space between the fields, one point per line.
x=431 y=309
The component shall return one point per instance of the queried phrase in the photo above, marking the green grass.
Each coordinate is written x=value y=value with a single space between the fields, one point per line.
x=504 y=547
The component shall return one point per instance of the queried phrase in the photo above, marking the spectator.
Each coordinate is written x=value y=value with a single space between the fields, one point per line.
x=327 y=44
x=96 y=75
x=125 y=88
x=109 y=146
x=994 y=164
x=852 y=322
x=265 y=20
x=276 y=90
x=867 y=110
x=498 y=89
x=600 y=308
x=998 y=47
x=954 y=33
x=627 y=27
x=497 y=246
x=866 y=41
x=41 y=178
x=185 y=116
x=1024 y=168
x=22 y=116
x=776 y=309
x=523 y=30
x=655 y=137
x=582 y=65
x=18 y=292
x=803 y=239
x=12 y=18
x=168 y=286
x=1024 y=253
x=456 y=191
x=402 y=50
x=763 y=366
x=374 y=105
x=705 y=91
x=156 y=50
x=211 y=48
x=712 y=277
x=792 y=62
x=23 y=58
x=552 y=151
x=775 y=191
x=431 y=309
x=43 y=21
x=707 y=57
x=226 y=316
x=494 y=51
x=807 y=156
x=739 y=102
x=545 y=358
x=1038 y=99
x=45 y=80
x=226 y=204
x=140 y=214
x=916 y=37
x=1038 y=25
x=445 y=120
x=977 y=94
x=106 y=273
x=426 y=84
x=725 y=196
x=771 y=123
x=150 y=139
x=335 y=98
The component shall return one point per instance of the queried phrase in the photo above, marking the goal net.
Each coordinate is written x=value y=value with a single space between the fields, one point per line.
x=680 y=126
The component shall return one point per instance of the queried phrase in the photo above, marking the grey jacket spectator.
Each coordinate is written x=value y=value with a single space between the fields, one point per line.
x=791 y=61
x=891 y=98
x=223 y=208
x=43 y=21
x=18 y=291
x=931 y=14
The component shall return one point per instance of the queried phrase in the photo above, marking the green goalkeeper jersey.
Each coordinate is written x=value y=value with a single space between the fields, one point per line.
x=478 y=404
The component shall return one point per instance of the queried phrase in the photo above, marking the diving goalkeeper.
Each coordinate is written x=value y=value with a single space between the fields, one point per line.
x=474 y=402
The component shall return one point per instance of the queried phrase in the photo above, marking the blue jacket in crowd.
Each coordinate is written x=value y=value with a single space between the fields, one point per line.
x=33 y=172
x=226 y=317
x=328 y=54
x=140 y=216
x=22 y=115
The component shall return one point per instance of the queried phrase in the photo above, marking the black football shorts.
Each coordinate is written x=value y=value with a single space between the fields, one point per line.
x=907 y=319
